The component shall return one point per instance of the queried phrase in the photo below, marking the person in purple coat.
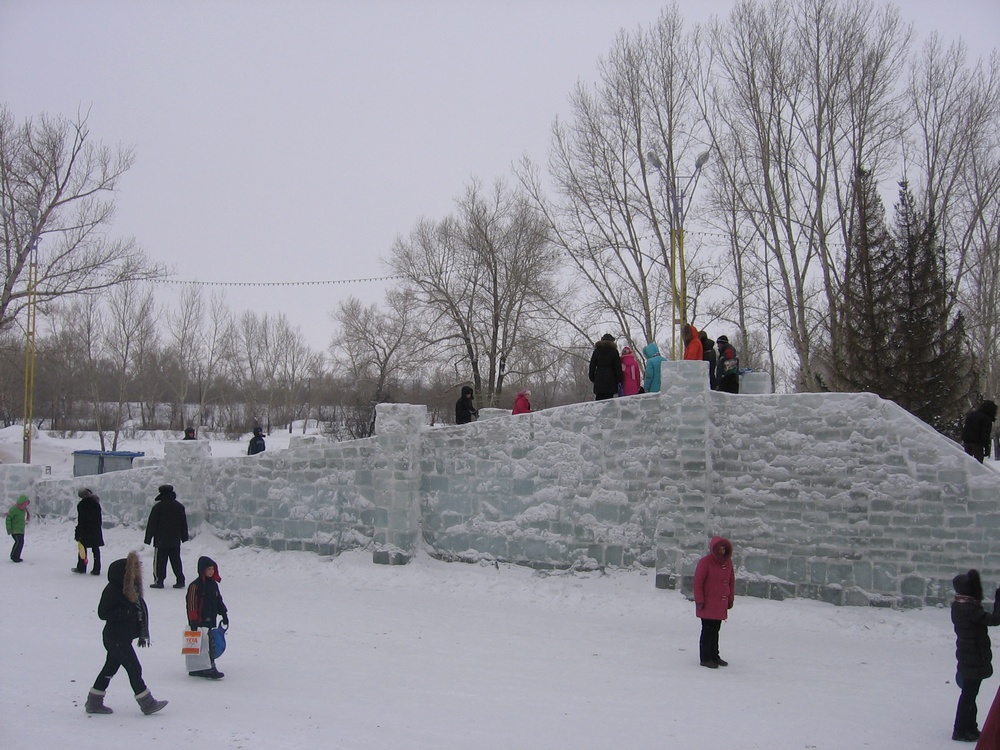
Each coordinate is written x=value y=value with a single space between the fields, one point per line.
x=714 y=592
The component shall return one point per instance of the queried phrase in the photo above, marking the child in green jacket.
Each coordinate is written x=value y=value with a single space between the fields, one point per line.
x=17 y=517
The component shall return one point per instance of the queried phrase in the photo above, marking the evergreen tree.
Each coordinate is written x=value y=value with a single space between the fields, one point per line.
x=930 y=356
x=862 y=326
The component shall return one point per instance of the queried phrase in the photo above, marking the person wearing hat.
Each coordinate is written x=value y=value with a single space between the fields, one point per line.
x=257 y=444
x=204 y=607
x=17 y=517
x=605 y=368
x=89 y=531
x=978 y=429
x=167 y=529
x=189 y=433
x=972 y=649
x=727 y=374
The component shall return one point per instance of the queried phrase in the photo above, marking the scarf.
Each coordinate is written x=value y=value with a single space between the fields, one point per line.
x=143 y=612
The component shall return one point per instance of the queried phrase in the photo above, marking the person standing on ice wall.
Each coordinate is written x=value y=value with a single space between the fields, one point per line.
x=714 y=594
x=978 y=429
x=654 y=360
x=605 y=369
x=126 y=619
x=972 y=649
x=631 y=374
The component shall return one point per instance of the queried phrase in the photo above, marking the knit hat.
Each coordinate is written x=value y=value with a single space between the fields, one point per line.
x=84 y=492
x=607 y=337
x=722 y=340
x=969 y=584
x=165 y=488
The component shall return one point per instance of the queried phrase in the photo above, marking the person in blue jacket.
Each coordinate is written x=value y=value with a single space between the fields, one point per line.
x=651 y=383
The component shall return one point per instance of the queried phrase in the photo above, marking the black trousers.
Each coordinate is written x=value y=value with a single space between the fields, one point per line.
x=729 y=383
x=708 y=646
x=120 y=654
x=95 y=556
x=160 y=563
x=975 y=450
x=15 y=551
x=965 y=715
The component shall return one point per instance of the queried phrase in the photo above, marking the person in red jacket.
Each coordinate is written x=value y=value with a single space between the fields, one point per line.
x=521 y=403
x=692 y=343
x=714 y=591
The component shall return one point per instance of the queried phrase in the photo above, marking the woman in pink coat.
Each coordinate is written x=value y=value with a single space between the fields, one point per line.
x=631 y=373
x=521 y=403
x=714 y=590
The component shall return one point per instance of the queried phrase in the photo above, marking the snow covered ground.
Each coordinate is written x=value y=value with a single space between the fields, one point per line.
x=341 y=653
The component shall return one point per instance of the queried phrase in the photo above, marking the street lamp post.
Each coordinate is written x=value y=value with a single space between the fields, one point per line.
x=29 y=331
x=678 y=210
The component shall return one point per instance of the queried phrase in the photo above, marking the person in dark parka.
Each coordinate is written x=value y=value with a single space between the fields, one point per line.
x=205 y=606
x=465 y=409
x=972 y=649
x=708 y=354
x=167 y=529
x=126 y=619
x=978 y=429
x=605 y=368
x=89 y=530
x=257 y=444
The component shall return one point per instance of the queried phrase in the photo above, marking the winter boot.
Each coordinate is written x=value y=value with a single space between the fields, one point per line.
x=148 y=703
x=95 y=703
x=156 y=585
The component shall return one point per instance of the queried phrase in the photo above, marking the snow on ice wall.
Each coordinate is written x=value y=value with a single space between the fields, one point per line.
x=839 y=497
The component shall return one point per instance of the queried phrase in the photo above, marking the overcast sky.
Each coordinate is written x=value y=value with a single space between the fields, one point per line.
x=293 y=140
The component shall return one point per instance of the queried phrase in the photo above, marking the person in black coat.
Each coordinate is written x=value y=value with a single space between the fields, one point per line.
x=727 y=373
x=126 y=618
x=465 y=409
x=605 y=368
x=978 y=429
x=257 y=444
x=167 y=529
x=89 y=530
x=708 y=354
x=205 y=606
x=975 y=657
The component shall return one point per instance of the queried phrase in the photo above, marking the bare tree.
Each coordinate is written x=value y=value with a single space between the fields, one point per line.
x=56 y=205
x=484 y=280
x=129 y=339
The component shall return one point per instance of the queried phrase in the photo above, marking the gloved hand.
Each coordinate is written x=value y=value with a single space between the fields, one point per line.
x=225 y=619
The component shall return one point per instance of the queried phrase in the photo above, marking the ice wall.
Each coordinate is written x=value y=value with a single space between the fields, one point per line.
x=839 y=497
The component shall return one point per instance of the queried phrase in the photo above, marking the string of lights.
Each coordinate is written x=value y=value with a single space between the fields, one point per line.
x=277 y=283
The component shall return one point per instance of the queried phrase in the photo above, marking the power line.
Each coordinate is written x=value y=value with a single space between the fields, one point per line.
x=278 y=283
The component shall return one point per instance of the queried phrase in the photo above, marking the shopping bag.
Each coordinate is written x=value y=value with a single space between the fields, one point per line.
x=195 y=650
x=218 y=636
x=81 y=552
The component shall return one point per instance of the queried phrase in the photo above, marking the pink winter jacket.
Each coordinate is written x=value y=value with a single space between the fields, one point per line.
x=631 y=374
x=715 y=582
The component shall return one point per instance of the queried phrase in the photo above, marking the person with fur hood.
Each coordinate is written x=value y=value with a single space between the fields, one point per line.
x=605 y=369
x=205 y=606
x=89 y=530
x=126 y=619
x=522 y=402
x=714 y=593
x=692 y=343
x=972 y=649
x=631 y=374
